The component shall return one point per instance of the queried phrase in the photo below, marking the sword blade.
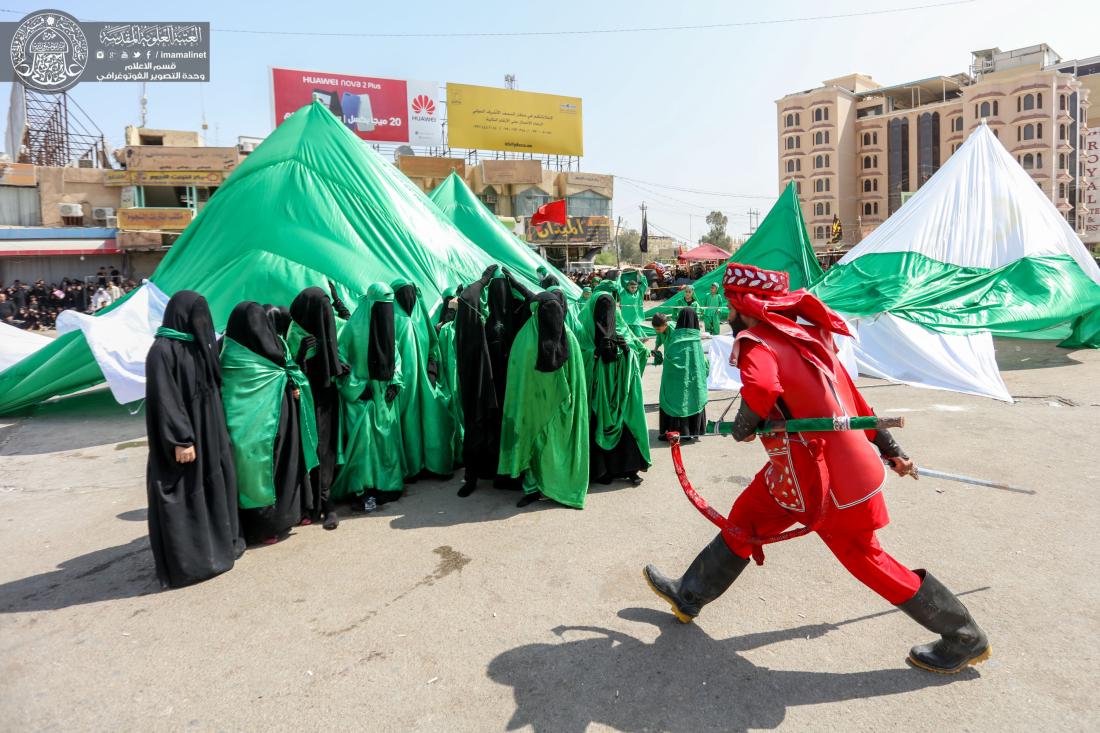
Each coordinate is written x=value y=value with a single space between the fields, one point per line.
x=932 y=473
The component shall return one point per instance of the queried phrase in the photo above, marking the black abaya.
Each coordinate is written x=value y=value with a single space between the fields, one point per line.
x=193 y=526
x=481 y=404
x=312 y=311
x=252 y=328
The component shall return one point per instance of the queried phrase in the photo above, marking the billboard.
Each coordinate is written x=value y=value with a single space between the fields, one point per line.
x=378 y=110
x=577 y=230
x=489 y=118
x=1090 y=185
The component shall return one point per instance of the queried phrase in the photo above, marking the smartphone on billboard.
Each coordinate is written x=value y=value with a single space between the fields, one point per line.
x=362 y=119
x=330 y=99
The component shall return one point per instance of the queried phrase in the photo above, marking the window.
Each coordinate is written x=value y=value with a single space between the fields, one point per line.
x=588 y=203
x=798 y=187
x=1062 y=160
x=819 y=209
x=957 y=124
x=866 y=161
x=867 y=186
x=898 y=162
x=1038 y=160
x=1062 y=133
x=821 y=138
x=866 y=138
x=820 y=161
x=1028 y=161
x=928 y=146
x=1039 y=131
x=819 y=232
x=1029 y=132
x=525 y=203
x=867 y=209
x=1061 y=190
x=821 y=114
x=1061 y=101
x=826 y=160
x=874 y=138
x=1039 y=100
x=789 y=121
x=791 y=166
x=986 y=109
x=875 y=205
x=1029 y=102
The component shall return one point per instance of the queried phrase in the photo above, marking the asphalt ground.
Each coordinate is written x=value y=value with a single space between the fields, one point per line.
x=444 y=614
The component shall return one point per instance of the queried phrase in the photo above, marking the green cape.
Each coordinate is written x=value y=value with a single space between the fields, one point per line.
x=545 y=422
x=448 y=374
x=633 y=305
x=252 y=393
x=684 y=379
x=614 y=390
x=713 y=310
x=427 y=426
x=372 y=455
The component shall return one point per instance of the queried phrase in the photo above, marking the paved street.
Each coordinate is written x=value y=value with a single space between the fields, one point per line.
x=447 y=614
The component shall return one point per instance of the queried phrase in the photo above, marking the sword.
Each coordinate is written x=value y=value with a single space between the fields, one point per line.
x=919 y=471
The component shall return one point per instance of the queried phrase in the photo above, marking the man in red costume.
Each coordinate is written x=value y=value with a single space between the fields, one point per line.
x=829 y=482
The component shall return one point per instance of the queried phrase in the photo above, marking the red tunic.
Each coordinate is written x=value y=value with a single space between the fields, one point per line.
x=828 y=481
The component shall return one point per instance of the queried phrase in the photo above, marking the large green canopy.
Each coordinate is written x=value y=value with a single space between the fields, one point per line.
x=463 y=209
x=310 y=204
x=779 y=243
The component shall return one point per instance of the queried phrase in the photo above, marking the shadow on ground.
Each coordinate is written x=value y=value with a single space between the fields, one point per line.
x=124 y=571
x=684 y=682
x=1017 y=354
x=83 y=420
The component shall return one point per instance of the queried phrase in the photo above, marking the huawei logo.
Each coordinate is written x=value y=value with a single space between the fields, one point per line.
x=423 y=104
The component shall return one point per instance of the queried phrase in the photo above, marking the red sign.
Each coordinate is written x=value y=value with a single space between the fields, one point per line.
x=379 y=110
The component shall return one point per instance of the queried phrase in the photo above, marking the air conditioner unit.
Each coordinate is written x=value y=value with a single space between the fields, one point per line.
x=71 y=210
x=101 y=213
x=85 y=163
x=111 y=222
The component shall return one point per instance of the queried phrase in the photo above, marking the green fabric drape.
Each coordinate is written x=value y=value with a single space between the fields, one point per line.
x=448 y=373
x=427 y=426
x=544 y=432
x=684 y=378
x=615 y=389
x=632 y=305
x=373 y=457
x=252 y=393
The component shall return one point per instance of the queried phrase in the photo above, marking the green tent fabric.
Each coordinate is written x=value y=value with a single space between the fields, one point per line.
x=684 y=377
x=462 y=208
x=544 y=431
x=779 y=243
x=310 y=204
x=427 y=427
x=373 y=458
x=252 y=393
x=615 y=389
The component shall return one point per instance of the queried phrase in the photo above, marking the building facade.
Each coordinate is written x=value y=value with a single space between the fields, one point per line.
x=857 y=150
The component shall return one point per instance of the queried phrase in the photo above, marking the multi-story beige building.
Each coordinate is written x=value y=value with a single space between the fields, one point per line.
x=857 y=149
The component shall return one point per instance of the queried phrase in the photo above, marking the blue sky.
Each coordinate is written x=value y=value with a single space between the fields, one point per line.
x=694 y=109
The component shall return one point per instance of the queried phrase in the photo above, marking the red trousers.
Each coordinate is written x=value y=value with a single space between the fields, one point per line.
x=853 y=542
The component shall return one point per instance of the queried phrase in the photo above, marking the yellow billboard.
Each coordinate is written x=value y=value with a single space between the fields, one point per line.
x=505 y=119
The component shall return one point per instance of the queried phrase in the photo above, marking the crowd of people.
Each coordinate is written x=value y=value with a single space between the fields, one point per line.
x=35 y=306
x=303 y=408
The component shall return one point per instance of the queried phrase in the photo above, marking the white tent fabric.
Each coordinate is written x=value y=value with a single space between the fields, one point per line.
x=121 y=338
x=898 y=350
x=980 y=209
x=724 y=378
x=17 y=344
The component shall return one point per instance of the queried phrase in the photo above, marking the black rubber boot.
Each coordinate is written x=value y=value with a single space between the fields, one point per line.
x=937 y=609
x=708 y=577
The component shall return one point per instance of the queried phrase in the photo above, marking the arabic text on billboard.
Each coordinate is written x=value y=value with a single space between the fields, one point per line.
x=577 y=230
x=379 y=110
x=505 y=119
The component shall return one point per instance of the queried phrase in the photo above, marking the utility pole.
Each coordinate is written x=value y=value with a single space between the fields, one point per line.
x=754 y=220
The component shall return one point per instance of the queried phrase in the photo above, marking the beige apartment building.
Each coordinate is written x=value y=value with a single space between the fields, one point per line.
x=858 y=150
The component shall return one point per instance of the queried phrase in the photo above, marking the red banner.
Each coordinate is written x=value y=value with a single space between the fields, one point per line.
x=379 y=110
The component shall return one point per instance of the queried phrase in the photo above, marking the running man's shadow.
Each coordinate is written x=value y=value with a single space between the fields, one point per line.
x=684 y=682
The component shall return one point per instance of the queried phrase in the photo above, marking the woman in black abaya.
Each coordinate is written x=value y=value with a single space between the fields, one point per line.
x=191 y=482
x=285 y=465
x=312 y=341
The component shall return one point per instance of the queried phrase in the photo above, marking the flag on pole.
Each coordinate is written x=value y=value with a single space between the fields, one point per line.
x=643 y=243
x=836 y=232
x=553 y=212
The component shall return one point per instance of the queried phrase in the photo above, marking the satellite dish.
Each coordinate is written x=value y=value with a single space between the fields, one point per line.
x=402 y=151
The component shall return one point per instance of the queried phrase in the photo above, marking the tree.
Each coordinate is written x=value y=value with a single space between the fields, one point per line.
x=606 y=257
x=627 y=241
x=717 y=234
